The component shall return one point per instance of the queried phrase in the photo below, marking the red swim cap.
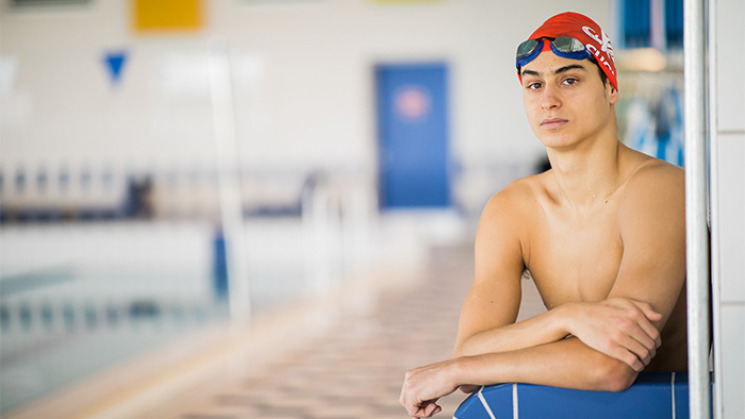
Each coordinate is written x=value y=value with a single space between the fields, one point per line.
x=585 y=30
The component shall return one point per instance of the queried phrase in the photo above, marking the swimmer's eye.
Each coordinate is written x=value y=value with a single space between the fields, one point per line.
x=570 y=81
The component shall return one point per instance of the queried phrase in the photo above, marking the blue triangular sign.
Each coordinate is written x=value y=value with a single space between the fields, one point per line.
x=114 y=64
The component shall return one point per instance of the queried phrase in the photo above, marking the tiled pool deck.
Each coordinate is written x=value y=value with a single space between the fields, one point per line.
x=356 y=370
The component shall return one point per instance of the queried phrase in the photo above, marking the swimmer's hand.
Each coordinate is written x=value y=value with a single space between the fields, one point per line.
x=618 y=327
x=423 y=386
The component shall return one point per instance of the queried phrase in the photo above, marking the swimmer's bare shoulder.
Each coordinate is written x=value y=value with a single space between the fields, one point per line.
x=521 y=195
x=510 y=213
x=648 y=173
x=519 y=202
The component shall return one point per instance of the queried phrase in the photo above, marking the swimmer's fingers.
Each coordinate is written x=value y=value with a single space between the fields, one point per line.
x=426 y=410
x=636 y=331
x=637 y=314
x=641 y=344
x=625 y=356
x=640 y=330
x=430 y=410
x=648 y=311
x=633 y=352
x=646 y=322
x=619 y=328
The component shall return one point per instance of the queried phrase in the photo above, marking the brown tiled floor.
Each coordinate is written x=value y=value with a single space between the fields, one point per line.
x=356 y=370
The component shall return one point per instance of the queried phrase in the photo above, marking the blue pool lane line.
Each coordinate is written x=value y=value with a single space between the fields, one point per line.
x=655 y=395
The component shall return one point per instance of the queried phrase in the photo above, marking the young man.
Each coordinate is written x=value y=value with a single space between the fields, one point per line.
x=602 y=234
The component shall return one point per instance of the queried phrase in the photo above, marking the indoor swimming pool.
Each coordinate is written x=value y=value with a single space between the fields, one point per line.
x=98 y=296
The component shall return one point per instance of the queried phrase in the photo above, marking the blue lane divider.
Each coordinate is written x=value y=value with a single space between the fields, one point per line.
x=655 y=395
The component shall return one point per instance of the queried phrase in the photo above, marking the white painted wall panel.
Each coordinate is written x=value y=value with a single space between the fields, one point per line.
x=731 y=207
x=730 y=27
x=732 y=374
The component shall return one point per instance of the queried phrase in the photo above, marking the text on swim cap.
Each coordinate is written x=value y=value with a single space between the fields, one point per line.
x=605 y=46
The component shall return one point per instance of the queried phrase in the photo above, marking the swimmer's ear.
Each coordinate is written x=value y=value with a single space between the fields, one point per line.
x=612 y=94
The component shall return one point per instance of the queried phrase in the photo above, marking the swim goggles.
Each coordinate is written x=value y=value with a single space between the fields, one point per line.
x=563 y=46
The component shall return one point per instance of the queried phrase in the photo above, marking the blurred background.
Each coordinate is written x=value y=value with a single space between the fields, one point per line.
x=176 y=175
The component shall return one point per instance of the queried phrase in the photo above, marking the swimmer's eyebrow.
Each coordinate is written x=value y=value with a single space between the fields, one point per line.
x=557 y=71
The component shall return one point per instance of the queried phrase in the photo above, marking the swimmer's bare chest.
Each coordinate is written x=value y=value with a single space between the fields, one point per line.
x=574 y=257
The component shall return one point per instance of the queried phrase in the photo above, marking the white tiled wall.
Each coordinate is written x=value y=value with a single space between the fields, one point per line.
x=728 y=206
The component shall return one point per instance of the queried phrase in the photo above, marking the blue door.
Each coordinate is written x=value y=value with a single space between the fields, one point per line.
x=413 y=136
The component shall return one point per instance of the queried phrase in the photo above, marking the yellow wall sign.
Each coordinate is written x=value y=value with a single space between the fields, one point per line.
x=406 y=1
x=167 y=15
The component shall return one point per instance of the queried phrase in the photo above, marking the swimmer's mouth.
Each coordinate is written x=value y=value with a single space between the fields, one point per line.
x=553 y=122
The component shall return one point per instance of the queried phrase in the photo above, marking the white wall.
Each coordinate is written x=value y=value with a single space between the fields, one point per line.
x=303 y=80
x=728 y=205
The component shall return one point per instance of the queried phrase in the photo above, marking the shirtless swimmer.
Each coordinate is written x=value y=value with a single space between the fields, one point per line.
x=602 y=234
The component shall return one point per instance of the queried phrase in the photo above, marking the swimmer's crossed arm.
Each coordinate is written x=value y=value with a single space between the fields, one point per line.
x=610 y=340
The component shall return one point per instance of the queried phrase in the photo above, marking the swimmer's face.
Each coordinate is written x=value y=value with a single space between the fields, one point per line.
x=566 y=101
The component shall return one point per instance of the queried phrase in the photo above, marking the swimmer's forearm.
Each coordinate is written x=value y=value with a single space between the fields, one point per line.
x=547 y=327
x=618 y=327
x=566 y=363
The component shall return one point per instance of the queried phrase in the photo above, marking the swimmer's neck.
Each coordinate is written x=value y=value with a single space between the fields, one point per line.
x=582 y=179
